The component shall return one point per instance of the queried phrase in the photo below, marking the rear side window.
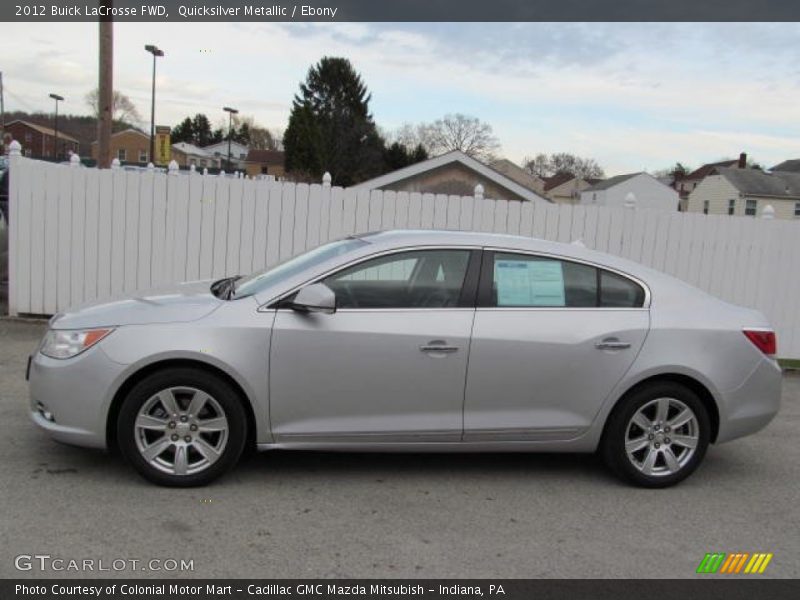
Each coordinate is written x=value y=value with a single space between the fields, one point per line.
x=619 y=291
x=520 y=280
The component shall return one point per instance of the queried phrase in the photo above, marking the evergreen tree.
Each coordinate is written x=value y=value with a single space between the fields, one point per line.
x=184 y=132
x=330 y=126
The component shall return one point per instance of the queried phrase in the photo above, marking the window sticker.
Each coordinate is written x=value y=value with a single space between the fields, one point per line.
x=529 y=283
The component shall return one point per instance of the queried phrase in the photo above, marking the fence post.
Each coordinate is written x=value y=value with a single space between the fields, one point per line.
x=205 y=170
x=222 y=172
x=768 y=212
x=151 y=167
x=173 y=167
x=14 y=148
x=630 y=200
x=12 y=223
x=115 y=164
x=74 y=160
x=326 y=180
x=479 y=192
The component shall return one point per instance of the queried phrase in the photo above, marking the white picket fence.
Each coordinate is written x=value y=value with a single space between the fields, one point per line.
x=78 y=234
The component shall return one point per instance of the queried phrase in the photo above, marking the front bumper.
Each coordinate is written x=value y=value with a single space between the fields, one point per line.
x=752 y=405
x=76 y=393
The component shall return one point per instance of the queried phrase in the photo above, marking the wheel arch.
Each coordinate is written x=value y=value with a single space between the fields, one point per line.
x=146 y=370
x=695 y=385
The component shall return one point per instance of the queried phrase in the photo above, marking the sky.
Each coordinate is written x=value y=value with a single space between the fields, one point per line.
x=633 y=96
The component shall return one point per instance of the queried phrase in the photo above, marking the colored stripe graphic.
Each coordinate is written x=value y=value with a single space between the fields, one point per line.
x=733 y=563
x=711 y=562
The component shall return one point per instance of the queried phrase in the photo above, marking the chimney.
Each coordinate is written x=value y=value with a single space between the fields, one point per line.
x=742 y=160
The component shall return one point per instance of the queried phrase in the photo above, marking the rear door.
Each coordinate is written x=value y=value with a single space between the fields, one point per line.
x=550 y=341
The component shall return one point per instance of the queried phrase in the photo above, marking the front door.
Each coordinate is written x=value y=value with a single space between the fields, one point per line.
x=551 y=340
x=389 y=365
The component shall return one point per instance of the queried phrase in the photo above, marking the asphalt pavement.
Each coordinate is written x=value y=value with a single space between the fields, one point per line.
x=287 y=514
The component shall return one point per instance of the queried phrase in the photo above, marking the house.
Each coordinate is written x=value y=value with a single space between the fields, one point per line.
x=789 y=166
x=38 y=141
x=518 y=174
x=565 y=188
x=745 y=192
x=684 y=185
x=641 y=188
x=451 y=173
x=265 y=162
x=238 y=154
x=129 y=146
x=186 y=155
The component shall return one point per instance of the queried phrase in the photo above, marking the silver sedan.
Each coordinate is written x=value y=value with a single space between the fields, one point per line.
x=412 y=341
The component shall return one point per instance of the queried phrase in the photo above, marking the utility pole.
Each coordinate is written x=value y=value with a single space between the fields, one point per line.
x=156 y=52
x=2 y=117
x=231 y=112
x=57 y=98
x=105 y=95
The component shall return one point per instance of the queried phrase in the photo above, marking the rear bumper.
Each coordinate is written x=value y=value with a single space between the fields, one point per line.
x=752 y=405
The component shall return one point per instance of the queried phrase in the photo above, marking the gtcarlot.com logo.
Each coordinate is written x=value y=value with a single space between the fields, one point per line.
x=735 y=563
x=46 y=562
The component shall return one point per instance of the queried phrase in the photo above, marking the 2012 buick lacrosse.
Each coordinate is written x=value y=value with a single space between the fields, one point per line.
x=412 y=341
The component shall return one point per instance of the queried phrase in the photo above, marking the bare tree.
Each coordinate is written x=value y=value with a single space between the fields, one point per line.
x=123 y=109
x=544 y=165
x=468 y=134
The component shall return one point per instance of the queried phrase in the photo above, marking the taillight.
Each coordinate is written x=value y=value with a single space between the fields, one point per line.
x=763 y=339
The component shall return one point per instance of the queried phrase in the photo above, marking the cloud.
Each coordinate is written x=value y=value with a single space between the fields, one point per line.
x=632 y=95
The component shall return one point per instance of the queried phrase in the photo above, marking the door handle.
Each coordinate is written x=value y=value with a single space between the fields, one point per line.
x=438 y=346
x=612 y=345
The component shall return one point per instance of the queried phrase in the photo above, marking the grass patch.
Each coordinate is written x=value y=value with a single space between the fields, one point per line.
x=789 y=363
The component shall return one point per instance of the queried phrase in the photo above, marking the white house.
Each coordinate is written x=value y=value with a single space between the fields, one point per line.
x=638 y=189
x=747 y=192
x=220 y=151
x=186 y=154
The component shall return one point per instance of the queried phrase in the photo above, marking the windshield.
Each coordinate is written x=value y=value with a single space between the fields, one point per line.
x=257 y=282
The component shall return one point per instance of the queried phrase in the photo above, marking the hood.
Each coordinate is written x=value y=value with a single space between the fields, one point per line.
x=177 y=303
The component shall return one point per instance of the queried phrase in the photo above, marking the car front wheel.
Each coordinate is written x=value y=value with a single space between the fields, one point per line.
x=657 y=436
x=182 y=427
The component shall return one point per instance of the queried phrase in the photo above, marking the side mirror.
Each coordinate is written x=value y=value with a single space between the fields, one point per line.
x=316 y=297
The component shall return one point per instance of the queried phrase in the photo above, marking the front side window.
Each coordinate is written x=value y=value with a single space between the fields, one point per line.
x=750 y=208
x=414 y=279
x=121 y=154
x=705 y=206
x=525 y=281
x=797 y=209
x=731 y=206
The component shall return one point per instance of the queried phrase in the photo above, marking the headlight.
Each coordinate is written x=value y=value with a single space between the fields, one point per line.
x=66 y=344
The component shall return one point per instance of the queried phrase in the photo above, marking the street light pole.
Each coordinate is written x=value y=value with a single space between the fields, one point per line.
x=56 y=97
x=156 y=52
x=231 y=112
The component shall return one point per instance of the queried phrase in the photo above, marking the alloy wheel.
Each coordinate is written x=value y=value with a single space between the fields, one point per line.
x=661 y=437
x=181 y=431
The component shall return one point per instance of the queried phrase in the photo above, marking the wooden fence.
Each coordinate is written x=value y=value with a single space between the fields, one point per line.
x=77 y=234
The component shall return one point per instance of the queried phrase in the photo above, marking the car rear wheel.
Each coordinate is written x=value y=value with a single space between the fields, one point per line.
x=657 y=436
x=182 y=427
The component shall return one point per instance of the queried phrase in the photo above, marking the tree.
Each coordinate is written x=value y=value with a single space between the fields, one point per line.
x=543 y=165
x=676 y=171
x=397 y=156
x=330 y=127
x=468 y=134
x=183 y=132
x=123 y=109
x=194 y=130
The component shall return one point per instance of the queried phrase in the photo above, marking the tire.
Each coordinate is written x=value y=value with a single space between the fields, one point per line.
x=642 y=447
x=166 y=442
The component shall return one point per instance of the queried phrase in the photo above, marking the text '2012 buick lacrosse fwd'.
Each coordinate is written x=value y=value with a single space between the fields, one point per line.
x=412 y=341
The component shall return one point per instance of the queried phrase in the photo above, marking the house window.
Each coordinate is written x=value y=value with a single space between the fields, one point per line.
x=142 y=156
x=750 y=208
x=122 y=154
x=28 y=137
x=731 y=206
x=797 y=210
x=265 y=170
x=705 y=207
